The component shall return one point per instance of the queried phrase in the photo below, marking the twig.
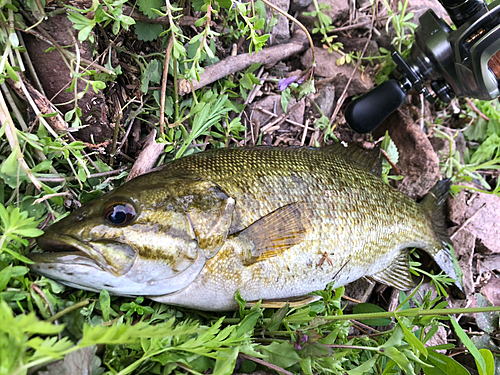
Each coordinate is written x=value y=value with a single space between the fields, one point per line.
x=164 y=86
x=138 y=16
x=393 y=165
x=279 y=119
x=294 y=20
x=44 y=297
x=351 y=299
x=232 y=64
x=304 y=133
x=475 y=109
x=115 y=136
x=132 y=118
x=10 y=131
x=48 y=196
x=148 y=156
x=48 y=39
x=263 y=110
x=30 y=64
x=365 y=326
x=43 y=104
x=72 y=178
x=77 y=305
x=343 y=96
x=267 y=364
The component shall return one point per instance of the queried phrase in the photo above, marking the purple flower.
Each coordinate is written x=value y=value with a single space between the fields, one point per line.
x=285 y=82
x=303 y=338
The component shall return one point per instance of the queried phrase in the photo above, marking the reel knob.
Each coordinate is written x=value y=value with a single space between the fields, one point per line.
x=368 y=111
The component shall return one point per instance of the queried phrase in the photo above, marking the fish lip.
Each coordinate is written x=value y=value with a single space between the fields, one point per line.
x=63 y=248
x=61 y=257
x=63 y=244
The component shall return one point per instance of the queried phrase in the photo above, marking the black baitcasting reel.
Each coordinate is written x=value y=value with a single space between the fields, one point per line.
x=462 y=63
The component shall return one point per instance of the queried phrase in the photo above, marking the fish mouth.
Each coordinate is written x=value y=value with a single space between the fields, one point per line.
x=108 y=264
x=61 y=249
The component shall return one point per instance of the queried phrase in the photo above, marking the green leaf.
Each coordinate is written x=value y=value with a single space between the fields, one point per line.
x=396 y=338
x=5 y=276
x=415 y=343
x=147 y=31
x=400 y=359
x=443 y=365
x=281 y=354
x=286 y=95
x=365 y=367
x=225 y=362
x=369 y=308
x=11 y=72
x=105 y=303
x=197 y=4
x=277 y=318
x=10 y=172
x=488 y=150
x=489 y=362
x=152 y=74
x=469 y=345
x=224 y=3
x=247 y=325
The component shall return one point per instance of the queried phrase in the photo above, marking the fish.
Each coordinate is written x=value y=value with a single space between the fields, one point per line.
x=273 y=223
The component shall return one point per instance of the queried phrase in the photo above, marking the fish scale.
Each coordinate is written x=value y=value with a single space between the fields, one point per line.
x=258 y=220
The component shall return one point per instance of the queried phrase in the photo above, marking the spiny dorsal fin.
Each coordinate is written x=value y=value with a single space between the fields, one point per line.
x=275 y=232
x=368 y=159
x=292 y=302
x=397 y=274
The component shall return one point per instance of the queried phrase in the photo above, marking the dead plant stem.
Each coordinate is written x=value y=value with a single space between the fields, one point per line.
x=294 y=20
x=164 y=85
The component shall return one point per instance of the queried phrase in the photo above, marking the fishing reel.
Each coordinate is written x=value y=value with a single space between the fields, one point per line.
x=443 y=63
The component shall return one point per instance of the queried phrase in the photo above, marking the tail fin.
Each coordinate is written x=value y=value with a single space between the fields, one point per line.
x=433 y=207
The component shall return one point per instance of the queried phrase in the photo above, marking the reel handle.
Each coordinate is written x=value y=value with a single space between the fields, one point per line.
x=368 y=111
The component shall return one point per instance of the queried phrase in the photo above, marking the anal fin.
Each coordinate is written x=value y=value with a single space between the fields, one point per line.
x=292 y=302
x=397 y=274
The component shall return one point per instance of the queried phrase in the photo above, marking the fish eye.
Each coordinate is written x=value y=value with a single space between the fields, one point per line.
x=120 y=214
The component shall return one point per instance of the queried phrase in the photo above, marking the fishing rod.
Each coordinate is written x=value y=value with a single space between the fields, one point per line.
x=443 y=63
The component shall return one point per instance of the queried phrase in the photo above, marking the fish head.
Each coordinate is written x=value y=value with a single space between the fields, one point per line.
x=148 y=237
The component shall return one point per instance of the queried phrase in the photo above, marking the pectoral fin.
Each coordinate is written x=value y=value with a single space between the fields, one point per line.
x=292 y=302
x=275 y=233
x=397 y=274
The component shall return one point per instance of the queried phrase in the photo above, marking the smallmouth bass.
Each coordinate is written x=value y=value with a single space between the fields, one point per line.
x=273 y=223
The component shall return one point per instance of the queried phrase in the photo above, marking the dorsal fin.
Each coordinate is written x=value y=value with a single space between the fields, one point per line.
x=368 y=159
x=275 y=232
x=397 y=274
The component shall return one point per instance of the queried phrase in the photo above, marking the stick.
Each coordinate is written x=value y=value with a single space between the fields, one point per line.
x=44 y=105
x=148 y=156
x=164 y=86
x=232 y=64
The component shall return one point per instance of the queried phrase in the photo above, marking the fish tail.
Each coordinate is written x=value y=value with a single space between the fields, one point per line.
x=433 y=207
